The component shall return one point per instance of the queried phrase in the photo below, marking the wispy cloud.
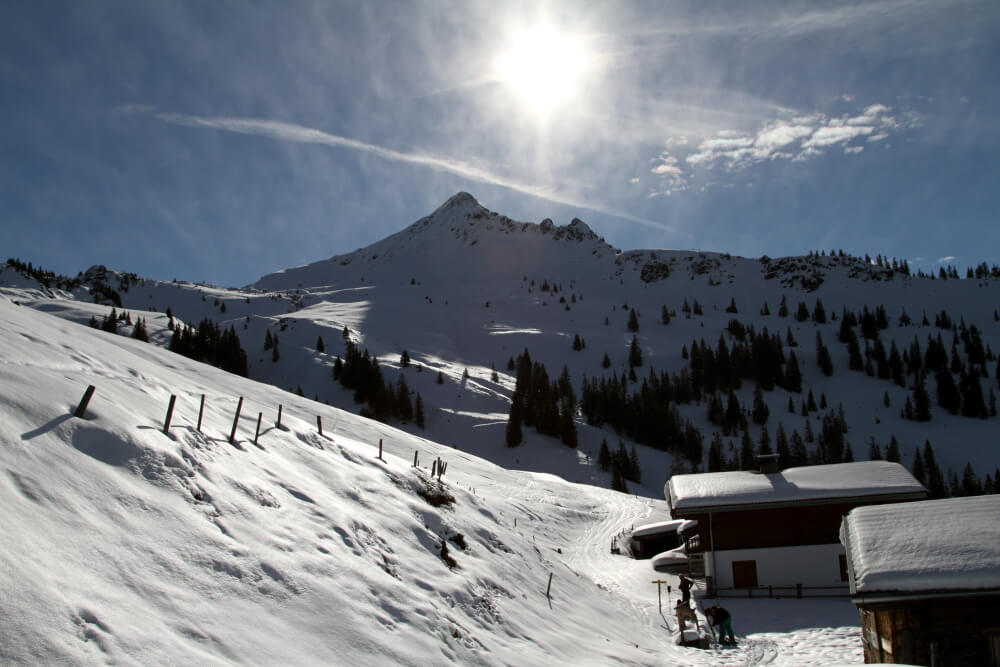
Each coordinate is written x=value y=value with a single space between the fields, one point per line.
x=291 y=132
x=798 y=137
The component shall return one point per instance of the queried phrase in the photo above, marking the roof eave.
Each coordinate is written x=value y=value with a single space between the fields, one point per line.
x=798 y=502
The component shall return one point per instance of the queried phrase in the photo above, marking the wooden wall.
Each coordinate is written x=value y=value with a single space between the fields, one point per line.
x=908 y=632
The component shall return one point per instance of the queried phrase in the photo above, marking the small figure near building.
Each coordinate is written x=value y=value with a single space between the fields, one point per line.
x=685 y=587
x=722 y=618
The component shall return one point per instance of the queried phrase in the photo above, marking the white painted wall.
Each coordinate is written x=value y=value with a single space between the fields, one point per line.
x=814 y=565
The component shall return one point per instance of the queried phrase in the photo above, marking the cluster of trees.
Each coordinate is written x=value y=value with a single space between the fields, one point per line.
x=622 y=465
x=210 y=344
x=548 y=406
x=385 y=401
x=648 y=415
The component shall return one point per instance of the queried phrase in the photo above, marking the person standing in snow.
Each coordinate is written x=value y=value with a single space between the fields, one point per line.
x=685 y=587
x=724 y=620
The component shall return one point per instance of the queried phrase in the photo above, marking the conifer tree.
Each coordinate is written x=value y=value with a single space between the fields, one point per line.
x=874 y=451
x=936 y=486
x=320 y=347
x=514 y=436
x=892 y=451
x=633 y=321
x=604 y=456
x=823 y=358
x=268 y=340
x=404 y=359
x=418 y=411
x=635 y=354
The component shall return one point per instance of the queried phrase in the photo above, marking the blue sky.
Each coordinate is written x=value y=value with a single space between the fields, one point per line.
x=219 y=141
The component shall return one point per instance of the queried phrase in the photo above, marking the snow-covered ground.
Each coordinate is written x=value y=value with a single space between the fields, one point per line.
x=120 y=543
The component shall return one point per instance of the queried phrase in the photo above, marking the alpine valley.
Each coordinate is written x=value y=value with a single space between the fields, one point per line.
x=543 y=366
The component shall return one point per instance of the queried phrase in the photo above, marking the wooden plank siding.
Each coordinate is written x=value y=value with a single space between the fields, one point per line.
x=957 y=631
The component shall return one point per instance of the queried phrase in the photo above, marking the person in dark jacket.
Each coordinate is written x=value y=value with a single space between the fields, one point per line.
x=685 y=587
x=724 y=620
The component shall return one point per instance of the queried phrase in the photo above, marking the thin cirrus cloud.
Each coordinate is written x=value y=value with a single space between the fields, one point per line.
x=284 y=131
x=800 y=138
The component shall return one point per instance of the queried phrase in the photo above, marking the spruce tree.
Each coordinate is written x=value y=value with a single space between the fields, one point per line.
x=633 y=321
x=604 y=456
x=634 y=354
x=418 y=412
x=320 y=347
x=514 y=436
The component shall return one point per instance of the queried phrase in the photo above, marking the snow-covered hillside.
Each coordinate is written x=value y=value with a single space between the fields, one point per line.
x=120 y=543
x=465 y=290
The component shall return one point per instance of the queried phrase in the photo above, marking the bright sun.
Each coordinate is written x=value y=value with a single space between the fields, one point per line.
x=543 y=68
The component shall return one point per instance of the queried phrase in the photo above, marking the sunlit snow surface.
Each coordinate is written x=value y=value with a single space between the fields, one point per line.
x=932 y=546
x=119 y=543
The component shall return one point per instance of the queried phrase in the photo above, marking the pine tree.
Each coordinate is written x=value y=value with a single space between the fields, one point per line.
x=514 y=436
x=970 y=485
x=320 y=347
x=634 y=354
x=936 y=486
x=604 y=456
x=268 y=340
x=418 y=410
x=874 y=451
x=892 y=451
x=823 y=358
x=633 y=321
x=404 y=359
x=760 y=411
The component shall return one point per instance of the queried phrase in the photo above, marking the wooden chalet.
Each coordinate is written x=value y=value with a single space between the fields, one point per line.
x=926 y=579
x=777 y=532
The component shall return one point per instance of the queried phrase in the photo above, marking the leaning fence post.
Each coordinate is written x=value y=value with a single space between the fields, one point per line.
x=201 y=411
x=236 y=421
x=256 y=434
x=548 y=589
x=82 y=408
x=319 y=424
x=416 y=454
x=170 y=413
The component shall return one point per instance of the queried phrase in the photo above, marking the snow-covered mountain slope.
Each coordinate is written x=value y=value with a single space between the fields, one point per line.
x=121 y=543
x=466 y=289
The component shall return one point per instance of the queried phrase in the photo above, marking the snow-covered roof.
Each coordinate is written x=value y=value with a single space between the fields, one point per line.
x=810 y=483
x=673 y=526
x=927 y=546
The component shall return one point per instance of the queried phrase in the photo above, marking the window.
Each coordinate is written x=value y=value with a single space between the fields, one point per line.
x=744 y=573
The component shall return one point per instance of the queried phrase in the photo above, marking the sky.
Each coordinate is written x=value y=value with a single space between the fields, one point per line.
x=221 y=141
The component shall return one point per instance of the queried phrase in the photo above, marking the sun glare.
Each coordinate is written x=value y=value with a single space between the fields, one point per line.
x=543 y=68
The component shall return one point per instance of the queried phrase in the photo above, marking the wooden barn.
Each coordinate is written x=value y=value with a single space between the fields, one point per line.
x=777 y=533
x=926 y=579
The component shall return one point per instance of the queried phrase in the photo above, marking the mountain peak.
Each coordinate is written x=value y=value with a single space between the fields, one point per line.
x=460 y=200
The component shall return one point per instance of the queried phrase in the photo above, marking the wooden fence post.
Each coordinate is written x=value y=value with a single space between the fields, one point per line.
x=170 y=413
x=434 y=468
x=416 y=455
x=549 y=587
x=236 y=421
x=256 y=434
x=319 y=424
x=84 y=402
x=201 y=411
x=380 y=449
x=279 y=416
